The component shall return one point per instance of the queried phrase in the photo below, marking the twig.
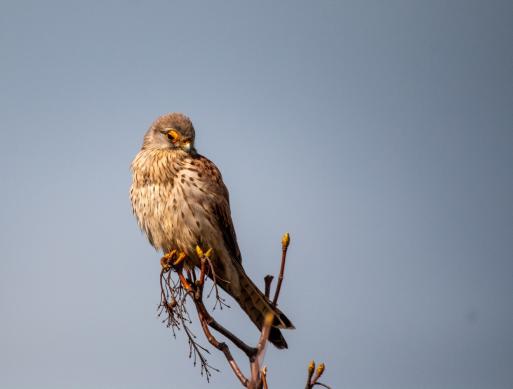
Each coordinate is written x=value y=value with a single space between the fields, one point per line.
x=263 y=373
x=321 y=384
x=205 y=258
x=268 y=279
x=248 y=350
x=197 y=350
x=312 y=379
x=173 y=302
x=196 y=292
x=285 y=241
x=200 y=306
x=223 y=347
x=264 y=336
x=256 y=378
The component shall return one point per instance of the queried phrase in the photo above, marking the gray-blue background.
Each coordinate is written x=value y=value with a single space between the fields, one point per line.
x=380 y=134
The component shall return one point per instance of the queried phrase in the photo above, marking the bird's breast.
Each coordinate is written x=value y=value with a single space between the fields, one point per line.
x=170 y=202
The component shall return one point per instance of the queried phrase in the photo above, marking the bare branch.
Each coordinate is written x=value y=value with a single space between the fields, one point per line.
x=285 y=241
x=264 y=336
x=256 y=362
x=321 y=384
x=248 y=350
x=268 y=279
x=223 y=347
x=263 y=373
x=312 y=379
x=173 y=303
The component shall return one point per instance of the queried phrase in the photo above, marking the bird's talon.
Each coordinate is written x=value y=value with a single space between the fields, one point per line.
x=169 y=254
x=170 y=259
x=164 y=263
x=180 y=258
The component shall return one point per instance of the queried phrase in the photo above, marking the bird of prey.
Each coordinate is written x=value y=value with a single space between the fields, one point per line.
x=180 y=202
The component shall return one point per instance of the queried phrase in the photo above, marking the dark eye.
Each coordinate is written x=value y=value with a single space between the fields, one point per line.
x=171 y=134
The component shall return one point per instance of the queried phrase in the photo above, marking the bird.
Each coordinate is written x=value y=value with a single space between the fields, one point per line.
x=180 y=202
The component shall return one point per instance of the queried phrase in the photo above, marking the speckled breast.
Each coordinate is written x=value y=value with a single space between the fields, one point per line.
x=168 y=200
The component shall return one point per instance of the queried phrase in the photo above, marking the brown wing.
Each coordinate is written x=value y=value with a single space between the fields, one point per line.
x=221 y=206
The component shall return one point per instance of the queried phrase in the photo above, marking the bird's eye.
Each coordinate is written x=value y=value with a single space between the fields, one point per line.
x=173 y=136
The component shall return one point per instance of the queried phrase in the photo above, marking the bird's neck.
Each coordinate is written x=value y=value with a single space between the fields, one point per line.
x=153 y=165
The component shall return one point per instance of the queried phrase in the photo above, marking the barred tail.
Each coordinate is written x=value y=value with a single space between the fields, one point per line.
x=256 y=306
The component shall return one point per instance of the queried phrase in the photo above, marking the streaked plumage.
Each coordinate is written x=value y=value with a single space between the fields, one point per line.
x=180 y=201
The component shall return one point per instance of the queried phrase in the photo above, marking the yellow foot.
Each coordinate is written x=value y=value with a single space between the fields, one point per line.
x=180 y=259
x=172 y=259
x=166 y=261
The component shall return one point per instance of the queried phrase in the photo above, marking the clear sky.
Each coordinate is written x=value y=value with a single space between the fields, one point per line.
x=380 y=134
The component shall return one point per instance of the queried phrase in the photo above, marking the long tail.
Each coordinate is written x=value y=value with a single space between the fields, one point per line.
x=256 y=306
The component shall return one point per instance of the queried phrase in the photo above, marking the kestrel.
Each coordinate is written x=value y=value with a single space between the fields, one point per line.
x=180 y=201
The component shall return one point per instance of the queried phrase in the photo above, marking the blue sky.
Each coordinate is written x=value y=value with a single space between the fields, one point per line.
x=379 y=134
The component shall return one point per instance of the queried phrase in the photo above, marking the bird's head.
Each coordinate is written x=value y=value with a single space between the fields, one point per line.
x=171 y=131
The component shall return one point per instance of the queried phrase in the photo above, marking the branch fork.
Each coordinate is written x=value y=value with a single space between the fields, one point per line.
x=174 y=293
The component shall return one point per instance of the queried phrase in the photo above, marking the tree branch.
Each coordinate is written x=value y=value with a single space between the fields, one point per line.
x=285 y=241
x=268 y=279
x=173 y=302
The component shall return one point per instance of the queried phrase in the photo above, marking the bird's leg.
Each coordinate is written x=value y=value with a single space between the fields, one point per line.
x=187 y=286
